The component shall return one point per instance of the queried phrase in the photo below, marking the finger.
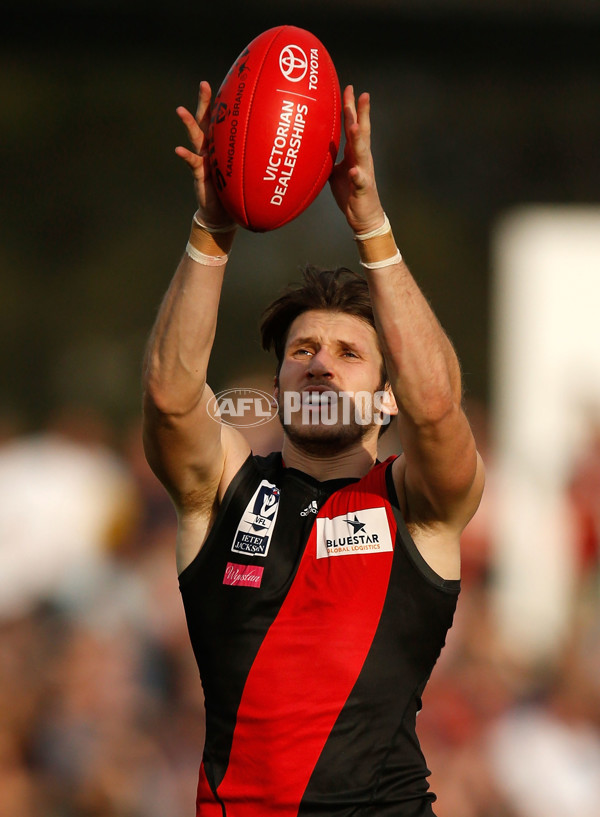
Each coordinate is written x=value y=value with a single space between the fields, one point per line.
x=363 y=112
x=203 y=109
x=357 y=123
x=195 y=162
x=195 y=133
x=349 y=106
x=348 y=96
x=359 y=132
x=357 y=149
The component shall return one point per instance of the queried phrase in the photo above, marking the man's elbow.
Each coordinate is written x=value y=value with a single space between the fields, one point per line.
x=169 y=400
x=434 y=408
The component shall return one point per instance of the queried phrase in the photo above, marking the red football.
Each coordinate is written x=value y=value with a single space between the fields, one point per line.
x=275 y=128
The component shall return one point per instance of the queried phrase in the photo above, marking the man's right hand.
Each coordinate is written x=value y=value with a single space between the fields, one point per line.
x=352 y=180
x=210 y=210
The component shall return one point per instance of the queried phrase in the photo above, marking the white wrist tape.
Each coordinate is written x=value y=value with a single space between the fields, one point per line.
x=207 y=260
x=225 y=228
x=216 y=241
x=385 y=228
x=387 y=262
x=374 y=244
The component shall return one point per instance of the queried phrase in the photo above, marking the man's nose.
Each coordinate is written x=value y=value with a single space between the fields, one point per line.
x=321 y=364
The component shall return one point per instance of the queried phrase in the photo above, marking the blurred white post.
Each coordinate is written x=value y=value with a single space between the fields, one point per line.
x=546 y=375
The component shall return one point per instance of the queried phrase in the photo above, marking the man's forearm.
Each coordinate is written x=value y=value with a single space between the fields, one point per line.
x=181 y=341
x=422 y=366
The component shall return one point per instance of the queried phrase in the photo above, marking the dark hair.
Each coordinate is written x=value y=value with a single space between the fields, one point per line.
x=336 y=290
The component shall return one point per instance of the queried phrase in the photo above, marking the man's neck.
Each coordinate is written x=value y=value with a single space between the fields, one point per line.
x=355 y=461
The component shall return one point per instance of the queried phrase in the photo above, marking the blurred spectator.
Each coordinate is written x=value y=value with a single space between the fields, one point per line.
x=91 y=634
x=476 y=540
x=471 y=686
x=63 y=507
x=584 y=492
x=545 y=752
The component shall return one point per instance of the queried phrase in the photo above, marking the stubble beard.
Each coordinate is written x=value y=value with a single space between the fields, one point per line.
x=324 y=440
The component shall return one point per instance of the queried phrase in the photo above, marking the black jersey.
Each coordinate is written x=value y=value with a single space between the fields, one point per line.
x=316 y=624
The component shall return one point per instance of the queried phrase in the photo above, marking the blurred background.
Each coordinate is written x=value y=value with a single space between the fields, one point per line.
x=486 y=133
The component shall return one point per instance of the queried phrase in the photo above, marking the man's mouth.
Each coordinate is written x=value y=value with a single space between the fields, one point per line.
x=318 y=396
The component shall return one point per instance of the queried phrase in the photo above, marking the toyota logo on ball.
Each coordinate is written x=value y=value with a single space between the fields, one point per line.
x=293 y=63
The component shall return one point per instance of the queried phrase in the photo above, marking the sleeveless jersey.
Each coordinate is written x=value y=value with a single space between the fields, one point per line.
x=316 y=624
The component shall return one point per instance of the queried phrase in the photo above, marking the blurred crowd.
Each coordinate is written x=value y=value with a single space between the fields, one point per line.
x=101 y=711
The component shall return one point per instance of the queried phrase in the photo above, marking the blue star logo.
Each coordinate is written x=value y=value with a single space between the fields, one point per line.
x=357 y=525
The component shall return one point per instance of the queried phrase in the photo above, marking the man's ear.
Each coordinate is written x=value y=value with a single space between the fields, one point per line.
x=387 y=403
x=276 y=387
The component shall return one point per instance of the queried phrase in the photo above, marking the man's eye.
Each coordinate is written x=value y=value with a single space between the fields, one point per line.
x=303 y=351
x=348 y=353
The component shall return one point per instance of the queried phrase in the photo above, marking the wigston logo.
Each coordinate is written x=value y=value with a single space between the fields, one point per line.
x=255 y=530
x=293 y=63
x=365 y=531
x=243 y=575
x=242 y=408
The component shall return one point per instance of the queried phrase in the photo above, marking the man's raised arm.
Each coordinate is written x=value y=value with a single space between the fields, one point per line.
x=185 y=447
x=439 y=477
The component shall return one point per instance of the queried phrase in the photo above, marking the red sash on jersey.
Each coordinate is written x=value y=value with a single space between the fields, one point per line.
x=306 y=667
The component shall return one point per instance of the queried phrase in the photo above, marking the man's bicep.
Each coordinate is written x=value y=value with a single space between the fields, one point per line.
x=441 y=473
x=189 y=451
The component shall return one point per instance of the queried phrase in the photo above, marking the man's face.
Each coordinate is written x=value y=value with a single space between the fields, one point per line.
x=330 y=389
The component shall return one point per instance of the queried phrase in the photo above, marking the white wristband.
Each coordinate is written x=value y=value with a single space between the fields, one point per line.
x=387 y=262
x=374 y=244
x=207 y=260
x=385 y=228
x=225 y=228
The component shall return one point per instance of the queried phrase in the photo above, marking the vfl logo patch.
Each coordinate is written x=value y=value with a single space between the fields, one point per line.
x=243 y=575
x=365 y=531
x=255 y=530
